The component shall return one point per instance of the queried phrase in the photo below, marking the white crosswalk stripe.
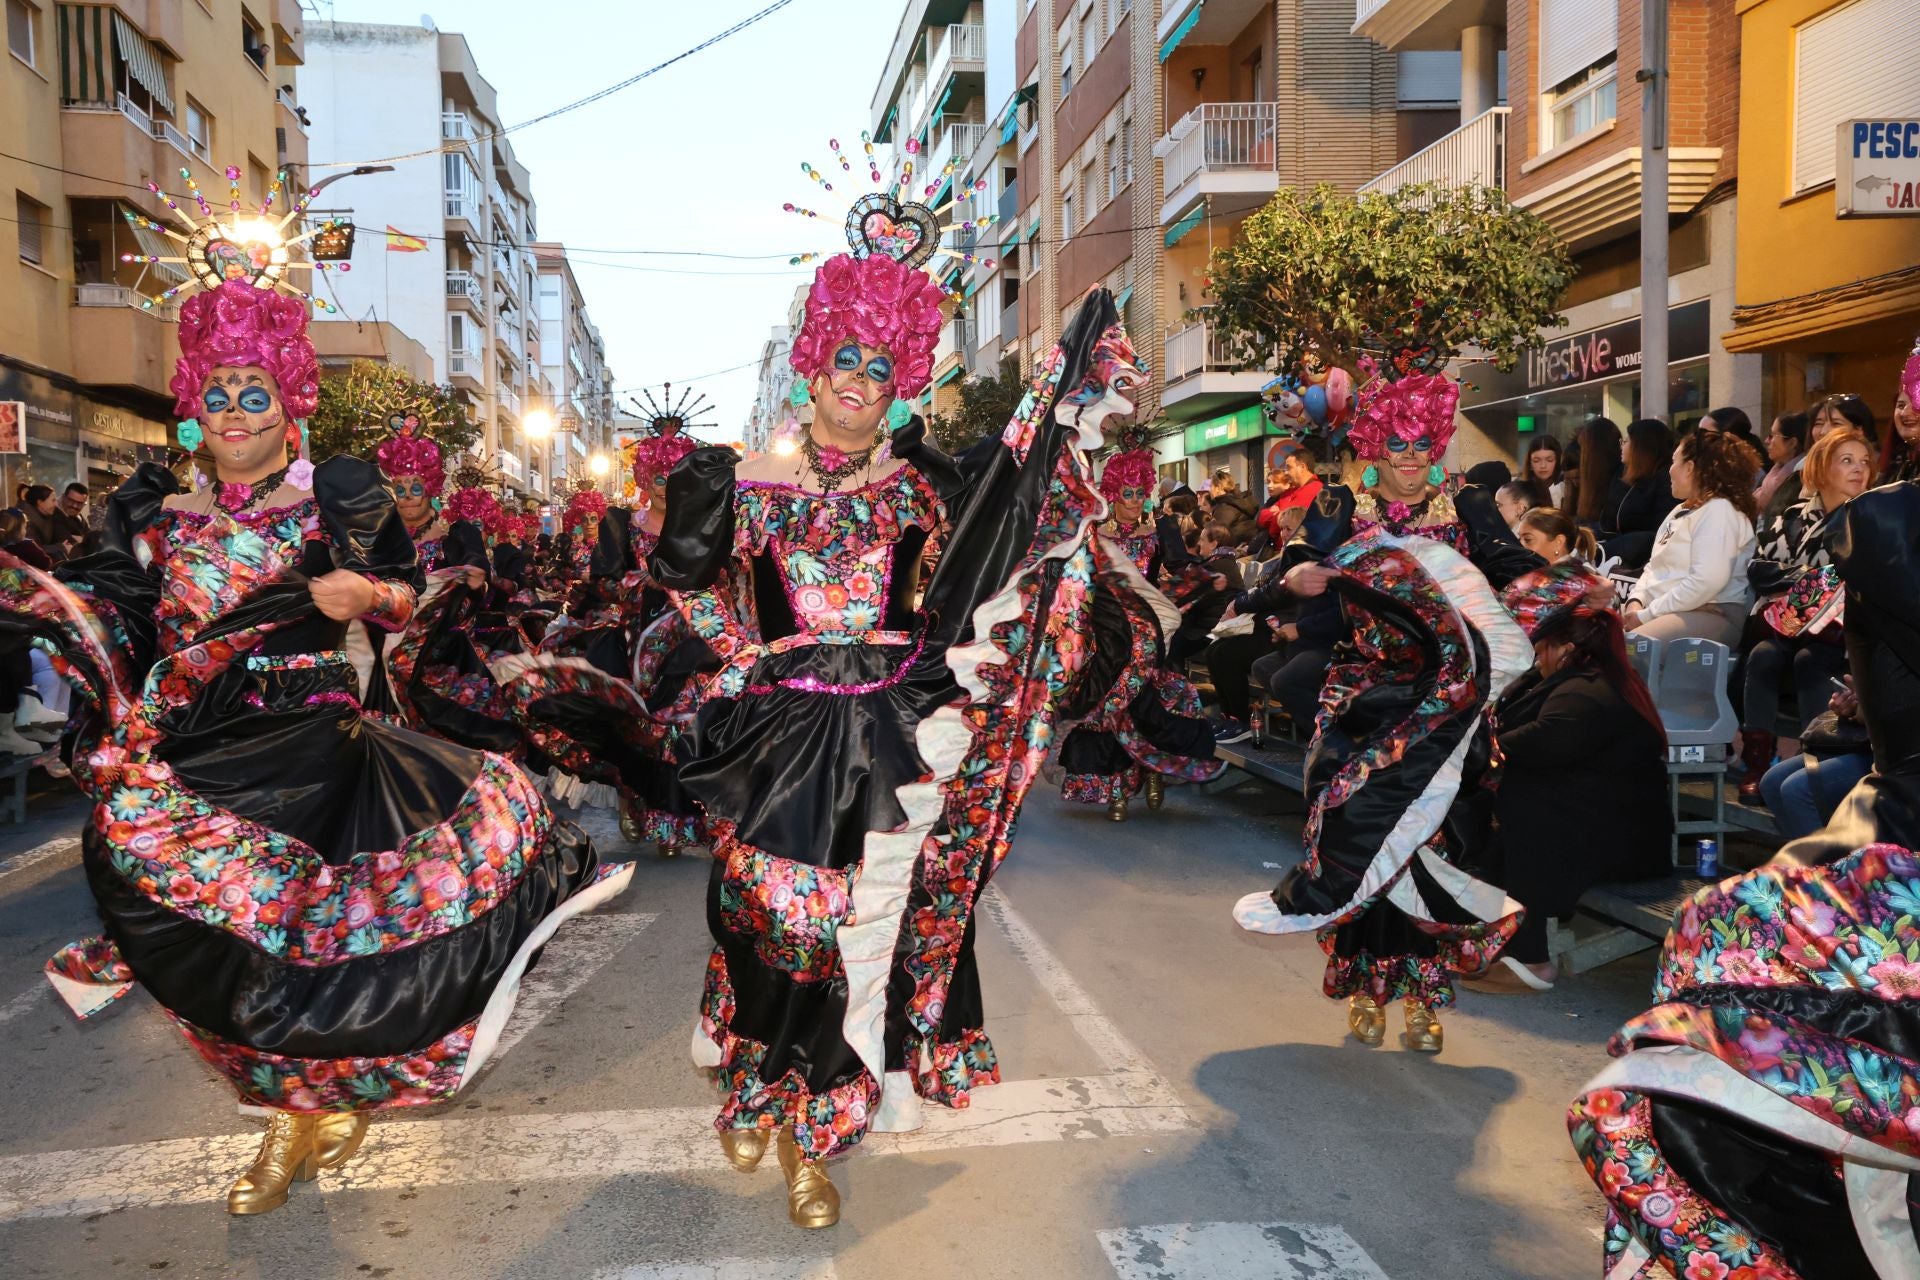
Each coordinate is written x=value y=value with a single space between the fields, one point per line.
x=1131 y=1098
x=729 y=1269
x=1237 y=1251
x=33 y=857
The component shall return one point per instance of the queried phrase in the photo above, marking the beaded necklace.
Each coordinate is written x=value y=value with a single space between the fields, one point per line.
x=235 y=498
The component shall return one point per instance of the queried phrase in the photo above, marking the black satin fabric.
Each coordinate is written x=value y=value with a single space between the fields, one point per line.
x=1491 y=545
x=696 y=542
x=806 y=775
x=371 y=1006
x=613 y=548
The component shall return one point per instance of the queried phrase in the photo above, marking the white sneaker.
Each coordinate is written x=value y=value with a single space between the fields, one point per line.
x=33 y=712
x=11 y=743
x=42 y=733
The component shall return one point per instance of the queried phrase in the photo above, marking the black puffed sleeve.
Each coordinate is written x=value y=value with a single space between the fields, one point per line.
x=134 y=506
x=912 y=443
x=613 y=552
x=361 y=521
x=1491 y=545
x=464 y=547
x=697 y=540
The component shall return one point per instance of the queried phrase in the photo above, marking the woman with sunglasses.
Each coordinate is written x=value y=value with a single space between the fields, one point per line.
x=335 y=912
x=1401 y=726
x=862 y=755
x=1125 y=742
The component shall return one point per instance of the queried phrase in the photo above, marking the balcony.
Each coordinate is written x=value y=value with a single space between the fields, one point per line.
x=1424 y=24
x=1218 y=148
x=119 y=343
x=1197 y=22
x=1009 y=202
x=511 y=467
x=1206 y=370
x=467 y=290
x=467 y=370
x=289 y=33
x=463 y=206
x=508 y=399
x=1603 y=199
x=962 y=52
x=956 y=142
x=1474 y=155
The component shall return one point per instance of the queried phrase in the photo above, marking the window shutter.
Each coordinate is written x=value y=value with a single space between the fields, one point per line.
x=1429 y=79
x=1575 y=34
x=1858 y=61
x=28 y=215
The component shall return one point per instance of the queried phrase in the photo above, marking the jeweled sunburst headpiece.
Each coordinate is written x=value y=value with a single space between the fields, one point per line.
x=897 y=219
x=235 y=244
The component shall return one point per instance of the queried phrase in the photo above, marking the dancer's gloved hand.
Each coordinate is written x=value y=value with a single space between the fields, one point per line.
x=1308 y=580
x=342 y=595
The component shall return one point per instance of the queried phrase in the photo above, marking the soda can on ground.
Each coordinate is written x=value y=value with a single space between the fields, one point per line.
x=1706 y=859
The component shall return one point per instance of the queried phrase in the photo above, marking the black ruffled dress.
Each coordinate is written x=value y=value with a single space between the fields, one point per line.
x=336 y=912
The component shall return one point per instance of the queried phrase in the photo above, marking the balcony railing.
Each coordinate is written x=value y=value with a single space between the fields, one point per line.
x=456 y=126
x=118 y=295
x=1364 y=9
x=1010 y=322
x=1009 y=203
x=284 y=96
x=1199 y=348
x=1218 y=137
x=1475 y=154
x=467 y=364
x=463 y=284
x=509 y=399
x=510 y=465
x=463 y=204
x=956 y=142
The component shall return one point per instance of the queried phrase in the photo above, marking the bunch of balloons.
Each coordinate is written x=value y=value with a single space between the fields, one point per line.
x=1317 y=399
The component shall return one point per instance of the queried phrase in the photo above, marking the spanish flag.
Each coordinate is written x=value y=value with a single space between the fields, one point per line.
x=399 y=241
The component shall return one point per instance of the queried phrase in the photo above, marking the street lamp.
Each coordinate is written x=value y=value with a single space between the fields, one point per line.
x=538 y=424
x=600 y=466
x=359 y=171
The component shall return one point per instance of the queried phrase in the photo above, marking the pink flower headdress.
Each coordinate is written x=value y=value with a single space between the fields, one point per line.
x=412 y=454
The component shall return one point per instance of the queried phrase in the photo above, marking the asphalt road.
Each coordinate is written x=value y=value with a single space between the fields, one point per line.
x=1181 y=1102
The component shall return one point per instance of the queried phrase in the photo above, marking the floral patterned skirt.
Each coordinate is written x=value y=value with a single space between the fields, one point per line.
x=1763 y=1118
x=335 y=911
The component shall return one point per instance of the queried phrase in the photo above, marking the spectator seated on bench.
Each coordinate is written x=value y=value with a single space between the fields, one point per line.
x=1582 y=799
x=1804 y=790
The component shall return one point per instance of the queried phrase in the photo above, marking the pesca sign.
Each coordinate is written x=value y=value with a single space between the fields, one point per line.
x=1877 y=174
x=1591 y=356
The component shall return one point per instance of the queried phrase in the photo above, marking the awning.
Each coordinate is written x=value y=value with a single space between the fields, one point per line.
x=154 y=244
x=143 y=64
x=1011 y=125
x=949 y=375
x=973 y=286
x=1120 y=303
x=940 y=196
x=885 y=132
x=1180 y=32
x=86 y=59
x=1033 y=230
x=946 y=96
x=1178 y=230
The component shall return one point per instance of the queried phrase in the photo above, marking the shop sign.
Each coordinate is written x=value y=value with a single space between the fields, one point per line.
x=1249 y=423
x=1877 y=174
x=1593 y=356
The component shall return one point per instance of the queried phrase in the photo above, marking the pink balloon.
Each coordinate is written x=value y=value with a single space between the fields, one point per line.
x=1339 y=393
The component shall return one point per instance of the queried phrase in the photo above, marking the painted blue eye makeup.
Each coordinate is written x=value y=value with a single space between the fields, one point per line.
x=216 y=399
x=847 y=358
x=256 y=399
x=880 y=369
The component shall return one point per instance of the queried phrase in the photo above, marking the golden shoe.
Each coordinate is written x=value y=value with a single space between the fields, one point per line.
x=1117 y=807
x=1423 y=1028
x=286 y=1157
x=1367 y=1020
x=629 y=827
x=812 y=1199
x=1156 y=791
x=337 y=1135
x=744 y=1147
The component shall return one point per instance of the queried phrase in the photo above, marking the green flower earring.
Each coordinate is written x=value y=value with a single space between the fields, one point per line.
x=1370 y=477
x=189 y=435
x=1436 y=475
x=799 y=397
x=899 y=414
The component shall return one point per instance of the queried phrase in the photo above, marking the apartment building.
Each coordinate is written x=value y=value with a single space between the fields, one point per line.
x=412 y=97
x=773 y=383
x=1567 y=145
x=100 y=100
x=579 y=397
x=1827 y=277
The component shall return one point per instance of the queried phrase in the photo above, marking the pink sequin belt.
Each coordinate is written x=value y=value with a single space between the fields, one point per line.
x=813 y=684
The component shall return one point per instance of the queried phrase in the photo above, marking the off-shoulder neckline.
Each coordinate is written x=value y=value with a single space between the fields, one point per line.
x=793 y=490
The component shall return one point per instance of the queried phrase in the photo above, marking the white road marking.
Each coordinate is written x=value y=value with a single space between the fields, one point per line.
x=1131 y=1098
x=26 y=1002
x=1237 y=1251
x=729 y=1269
x=576 y=953
x=39 y=854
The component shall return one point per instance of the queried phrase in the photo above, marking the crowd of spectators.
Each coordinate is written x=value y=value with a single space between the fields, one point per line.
x=42 y=529
x=1717 y=532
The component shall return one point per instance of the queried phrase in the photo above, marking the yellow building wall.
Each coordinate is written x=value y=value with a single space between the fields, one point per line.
x=33 y=322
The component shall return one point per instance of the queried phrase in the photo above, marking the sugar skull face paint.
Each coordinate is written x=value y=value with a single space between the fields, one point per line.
x=847 y=360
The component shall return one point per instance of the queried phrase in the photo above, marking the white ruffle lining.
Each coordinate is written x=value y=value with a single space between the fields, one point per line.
x=1509 y=655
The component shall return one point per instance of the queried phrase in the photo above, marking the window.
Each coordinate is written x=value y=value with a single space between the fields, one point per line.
x=1857 y=61
x=1581 y=103
x=1064 y=47
x=1089 y=40
x=253 y=40
x=1113 y=168
x=31 y=217
x=199 y=131
x=20 y=18
x=1126 y=140
x=1066 y=215
x=461 y=334
x=1089 y=191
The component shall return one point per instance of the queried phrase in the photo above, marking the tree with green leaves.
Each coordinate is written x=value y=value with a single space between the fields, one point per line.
x=987 y=404
x=356 y=409
x=1413 y=277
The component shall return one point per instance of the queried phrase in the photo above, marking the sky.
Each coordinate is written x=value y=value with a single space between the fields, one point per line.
x=700 y=156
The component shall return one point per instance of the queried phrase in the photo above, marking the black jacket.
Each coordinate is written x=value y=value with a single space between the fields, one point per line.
x=1235 y=511
x=1633 y=520
x=1583 y=793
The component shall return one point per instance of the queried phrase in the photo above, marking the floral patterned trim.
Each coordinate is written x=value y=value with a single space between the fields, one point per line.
x=306 y=510
x=672 y=830
x=393 y=604
x=319 y=659
x=309 y=1085
x=852 y=523
x=1102 y=788
x=791 y=910
x=954 y=1068
x=279 y=896
x=1652 y=1212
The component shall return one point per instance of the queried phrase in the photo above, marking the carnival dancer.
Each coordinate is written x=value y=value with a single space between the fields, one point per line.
x=610 y=692
x=860 y=766
x=334 y=911
x=1140 y=721
x=1763 y=1118
x=1401 y=741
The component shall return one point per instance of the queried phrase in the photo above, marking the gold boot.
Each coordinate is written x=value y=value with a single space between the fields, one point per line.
x=744 y=1147
x=812 y=1199
x=337 y=1135
x=1423 y=1028
x=286 y=1156
x=1367 y=1020
x=629 y=826
x=1156 y=791
x=1117 y=807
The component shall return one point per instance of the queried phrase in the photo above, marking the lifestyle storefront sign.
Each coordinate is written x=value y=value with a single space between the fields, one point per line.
x=1593 y=355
